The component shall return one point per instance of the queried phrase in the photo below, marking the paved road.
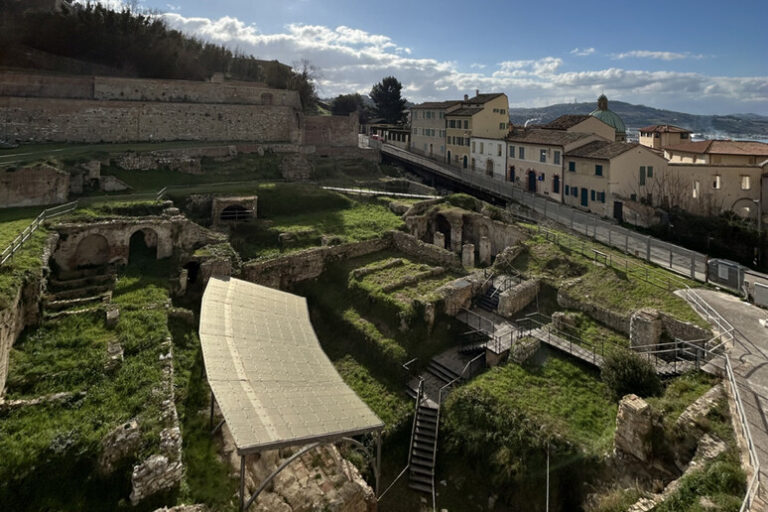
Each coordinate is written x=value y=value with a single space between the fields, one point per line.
x=749 y=357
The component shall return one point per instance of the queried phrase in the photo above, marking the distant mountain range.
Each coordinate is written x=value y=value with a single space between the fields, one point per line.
x=733 y=126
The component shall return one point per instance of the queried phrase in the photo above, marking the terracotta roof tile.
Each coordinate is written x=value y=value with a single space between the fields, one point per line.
x=663 y=128
x=602 y=150
x=722 y=147
x=566 y=121
x=545 y=136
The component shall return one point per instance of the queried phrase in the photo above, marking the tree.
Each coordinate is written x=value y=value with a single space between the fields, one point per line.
x=386 y=97
x=625 y=372
x=345 y=104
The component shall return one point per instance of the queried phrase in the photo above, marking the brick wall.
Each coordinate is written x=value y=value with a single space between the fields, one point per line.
x=331 y=130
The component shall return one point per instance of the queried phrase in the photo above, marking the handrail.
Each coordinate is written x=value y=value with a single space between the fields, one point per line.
x=419 y=393
x=27 y=232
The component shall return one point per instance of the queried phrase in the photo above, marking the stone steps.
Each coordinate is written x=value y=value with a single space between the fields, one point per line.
x=61 y=305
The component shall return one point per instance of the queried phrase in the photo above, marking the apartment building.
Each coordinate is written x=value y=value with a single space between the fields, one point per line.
x=601 y=175
x=485 y=116
x=582 y=123
x=660 y=136
x=535 y=156
x=428 y=128
x=488 y=156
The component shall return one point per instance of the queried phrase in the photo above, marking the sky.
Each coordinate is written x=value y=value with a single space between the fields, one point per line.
x=697 y=56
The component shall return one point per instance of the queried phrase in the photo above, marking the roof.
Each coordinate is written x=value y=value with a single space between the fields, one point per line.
x=545 y=136
x=664 y=128
x=464 y=112
x=566 y=121
x=437 y=104
x=602 y=150
x=274 y=384
x=480 y=99
x=722 y=147
x=608 y=116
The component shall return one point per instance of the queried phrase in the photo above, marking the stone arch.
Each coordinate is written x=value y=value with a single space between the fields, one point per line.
x=235 y=212
x=142 y=244
x=745 y=207
x=267 y=98
x=92 y=250
x=489 y=167
x=443 y=226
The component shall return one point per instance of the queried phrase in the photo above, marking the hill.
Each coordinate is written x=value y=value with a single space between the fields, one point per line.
x=735 y=126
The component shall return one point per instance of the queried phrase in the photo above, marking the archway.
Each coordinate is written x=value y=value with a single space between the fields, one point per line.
x=92 y=251
x=235 y=212
x=142 y=246
x=193 y=271
x=532 y=181
x=489 y=167
x=443 y=226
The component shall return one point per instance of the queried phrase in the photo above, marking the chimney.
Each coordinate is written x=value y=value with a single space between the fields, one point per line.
x=466 y=97
x=477 y=92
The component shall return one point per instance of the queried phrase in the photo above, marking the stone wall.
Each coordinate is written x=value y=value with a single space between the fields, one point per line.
x=331 y=130
x=142 y=89
x=616 y=321
x=74 y=120
x=430 y=253
x=458 y=294
x=33 y=186
x=515 y=299
x=283 y=272
x=683 y=330
x=634 y=423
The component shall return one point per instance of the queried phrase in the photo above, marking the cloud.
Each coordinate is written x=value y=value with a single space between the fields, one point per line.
x=646 y=54
x=352 y=60
x=582 y=52
x=172 y=7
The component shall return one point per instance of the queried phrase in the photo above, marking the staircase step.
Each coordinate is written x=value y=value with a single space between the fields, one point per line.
x=423 y=455
x=441 y=371
x=79 y=293
x=421 y=487
x=59 y=305
x=55 y=284
x=67 y=275
x=426 y=423
x=427 y=463
x=420 y=478
x=427 y=446
x=425 y=438
x=422 y=470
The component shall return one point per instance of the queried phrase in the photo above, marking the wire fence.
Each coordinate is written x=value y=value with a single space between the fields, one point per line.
x=19 y=241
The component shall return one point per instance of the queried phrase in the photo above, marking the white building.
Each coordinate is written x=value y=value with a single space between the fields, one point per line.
x=488 y=156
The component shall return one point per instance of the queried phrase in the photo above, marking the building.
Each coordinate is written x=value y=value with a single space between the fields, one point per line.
x=534 y=158
x=428 y=128
x=714 y=176
x=660 y=136
x=488 y=156
x=582 y=123
x=485 y=116
x=609 y=117
x=602 y=175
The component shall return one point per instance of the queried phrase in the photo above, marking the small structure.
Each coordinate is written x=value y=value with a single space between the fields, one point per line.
x=273 y=383
x=233 y=209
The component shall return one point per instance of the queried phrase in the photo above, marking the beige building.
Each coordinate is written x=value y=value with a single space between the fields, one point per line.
x=660 y=136
x=601 y=176
x=535 y=156
x=713 y=176
x=428 y=128
x=488 y=156
x=582 y=123
x=485 y=116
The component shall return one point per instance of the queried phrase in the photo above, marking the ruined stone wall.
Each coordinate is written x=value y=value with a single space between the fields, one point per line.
x=106 y=88
x=428 y=252
x=74 y=120
x=285 y=271
x=683 y=330
x=515 y=299
x=616 y=321
x=33 y=186
x=331 y=130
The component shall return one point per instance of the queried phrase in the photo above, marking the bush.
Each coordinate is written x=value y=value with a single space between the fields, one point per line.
x=625 y=372
x=464 y=201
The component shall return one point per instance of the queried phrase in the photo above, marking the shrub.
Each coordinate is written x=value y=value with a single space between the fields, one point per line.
x=625 y=372
x=463 y=201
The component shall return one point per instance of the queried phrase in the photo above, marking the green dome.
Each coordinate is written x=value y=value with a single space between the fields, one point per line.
x=609 y=117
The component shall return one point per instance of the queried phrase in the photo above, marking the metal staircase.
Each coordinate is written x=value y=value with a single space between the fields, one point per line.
x=424 y=447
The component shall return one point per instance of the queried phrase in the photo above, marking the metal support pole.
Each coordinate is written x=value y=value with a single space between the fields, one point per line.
x=210 y=422
x=378 y=461
x=242 y=483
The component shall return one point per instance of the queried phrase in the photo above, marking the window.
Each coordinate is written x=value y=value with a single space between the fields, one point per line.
x=512 y=151
x=575 y=191
x=502 y=126
x=556 y=184
x=592 y=195
x=602 y=197
x=696 y=189
x=521 y=150
x=466 y=125
x=598 y=170
x=557 y=158
x=567 y=190
x=460 y=141
x=452 y=123
x=473 y=146
x=482 y=147
x=716 y=182
x=498 y=149
x=642 y=175
x=442 y=115
x=467 y=141
x=543 y=155
x=745 y=183
x=683 y=135
x=572 y=166
x=650 y=171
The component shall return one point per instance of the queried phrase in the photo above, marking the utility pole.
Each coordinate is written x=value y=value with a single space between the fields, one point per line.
x=759 y=231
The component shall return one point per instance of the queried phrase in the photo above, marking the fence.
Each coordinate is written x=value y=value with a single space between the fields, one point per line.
x=19 y=241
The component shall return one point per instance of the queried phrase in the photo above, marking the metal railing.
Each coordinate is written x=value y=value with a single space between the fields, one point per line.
x=19 y=241
x=533 y=321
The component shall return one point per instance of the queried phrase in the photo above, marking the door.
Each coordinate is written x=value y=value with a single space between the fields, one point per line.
x=556 y=184
x=531 y=181
x=465 y=161
x=430 y=150
x=584 y=197
x=618 y=211
x=449 y=157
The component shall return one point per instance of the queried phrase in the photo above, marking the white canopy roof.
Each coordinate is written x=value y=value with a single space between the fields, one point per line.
x=273 y=382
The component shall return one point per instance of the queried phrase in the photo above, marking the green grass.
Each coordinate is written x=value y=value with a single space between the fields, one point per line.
x=679 y=393
x=28 y=260
x=599 y=284
x=594 y=334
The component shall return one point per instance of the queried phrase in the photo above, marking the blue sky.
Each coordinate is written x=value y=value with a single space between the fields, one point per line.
x=696 y=56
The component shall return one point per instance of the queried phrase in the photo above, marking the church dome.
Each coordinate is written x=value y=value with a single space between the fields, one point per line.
x=609 y=117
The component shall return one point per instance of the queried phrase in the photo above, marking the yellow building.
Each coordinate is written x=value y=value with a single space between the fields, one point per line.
x=660 y=136
x=485 y=115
